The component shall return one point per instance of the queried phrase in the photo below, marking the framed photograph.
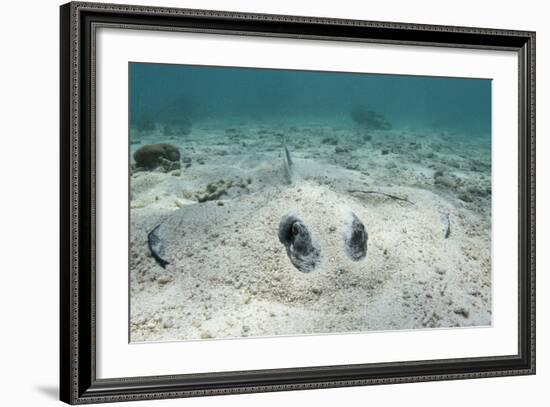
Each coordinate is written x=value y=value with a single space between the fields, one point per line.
x=255 y=203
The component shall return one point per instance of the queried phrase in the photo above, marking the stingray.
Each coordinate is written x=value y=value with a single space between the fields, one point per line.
x=299 y=254
x=302 y=247
x=312 y=223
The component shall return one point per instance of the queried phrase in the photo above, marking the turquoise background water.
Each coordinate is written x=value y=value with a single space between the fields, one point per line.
x=200 y=93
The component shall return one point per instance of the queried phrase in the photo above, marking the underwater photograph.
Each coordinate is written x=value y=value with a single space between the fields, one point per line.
x=271 y=202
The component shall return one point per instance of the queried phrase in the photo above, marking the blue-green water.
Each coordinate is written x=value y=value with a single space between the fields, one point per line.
x=162 y=92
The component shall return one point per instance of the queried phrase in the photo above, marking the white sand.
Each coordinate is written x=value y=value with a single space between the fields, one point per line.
x=230 y=276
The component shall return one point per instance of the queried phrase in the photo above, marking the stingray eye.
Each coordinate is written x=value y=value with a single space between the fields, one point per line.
x=302 y=251
x=356 y=239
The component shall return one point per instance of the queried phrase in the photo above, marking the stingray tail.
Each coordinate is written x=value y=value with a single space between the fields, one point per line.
x=288 y=164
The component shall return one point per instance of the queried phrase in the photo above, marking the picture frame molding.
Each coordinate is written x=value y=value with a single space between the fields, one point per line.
x=78 y=381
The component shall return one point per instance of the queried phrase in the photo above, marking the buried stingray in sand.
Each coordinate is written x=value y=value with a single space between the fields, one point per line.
x=291 y=258
x=302 y=247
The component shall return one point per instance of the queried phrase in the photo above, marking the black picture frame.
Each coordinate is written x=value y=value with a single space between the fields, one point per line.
x=78 y=382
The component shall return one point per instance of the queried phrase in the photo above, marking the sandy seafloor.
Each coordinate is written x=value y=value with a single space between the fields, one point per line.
x=229 y=276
